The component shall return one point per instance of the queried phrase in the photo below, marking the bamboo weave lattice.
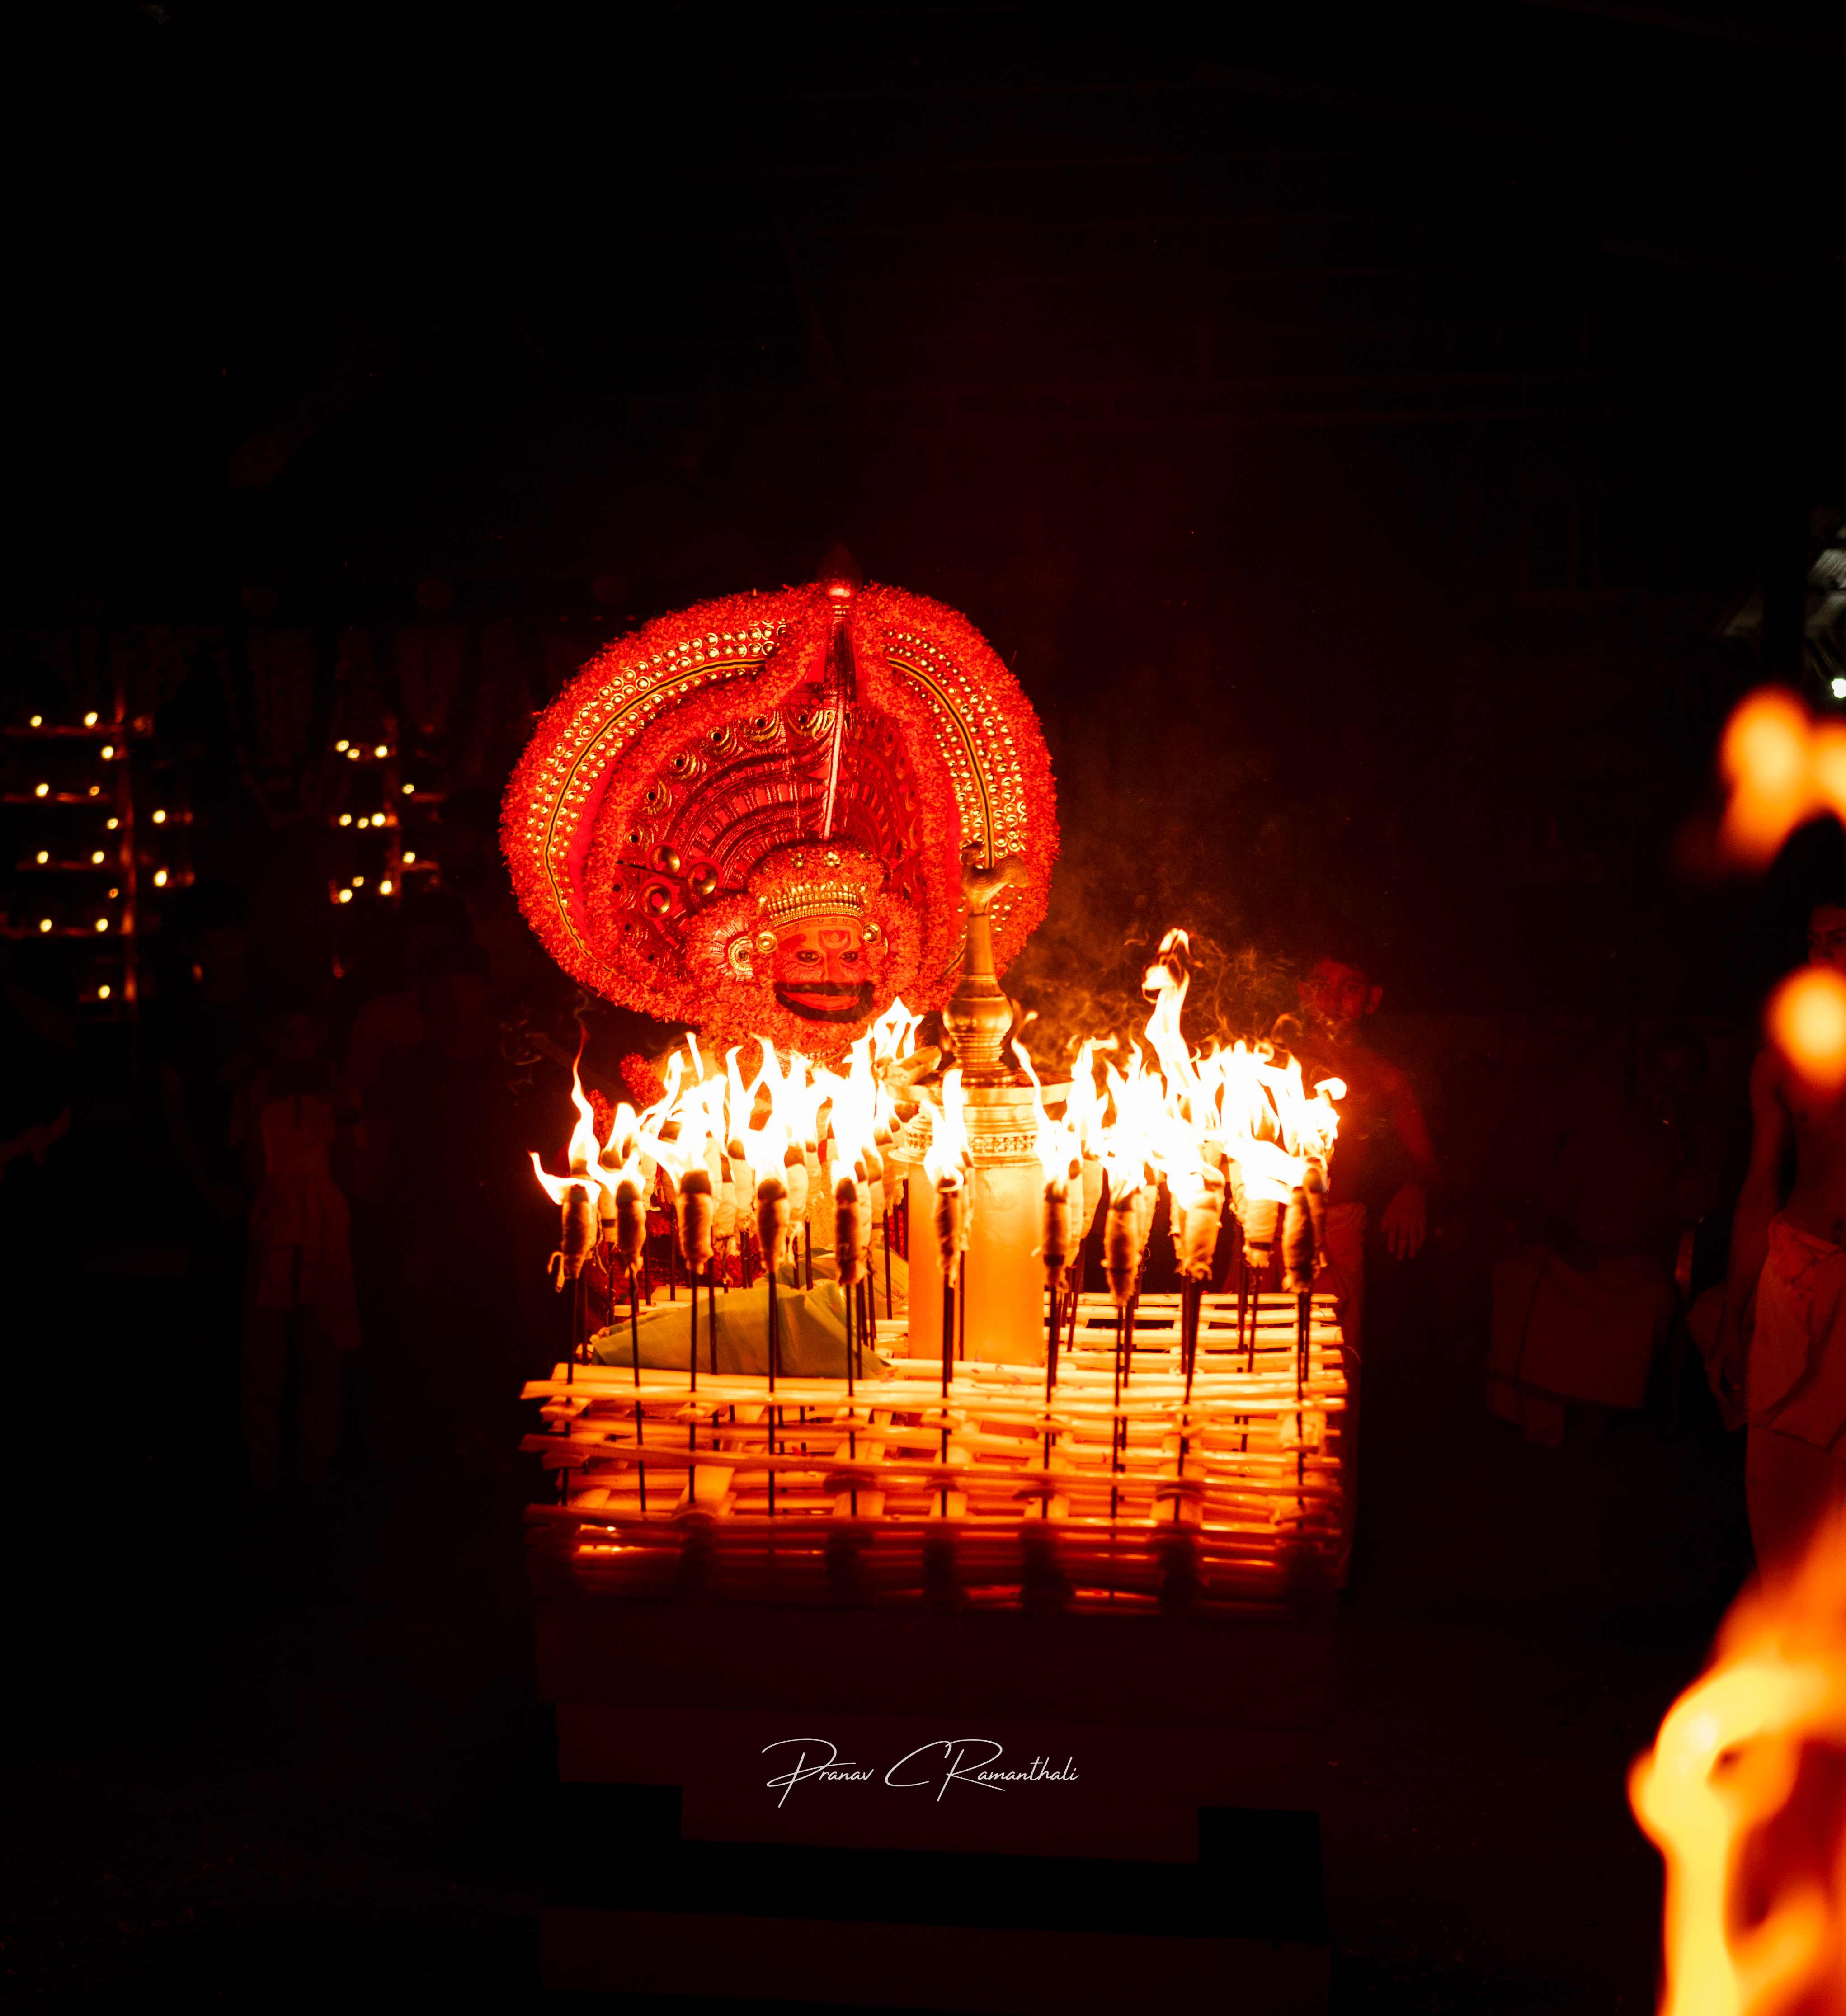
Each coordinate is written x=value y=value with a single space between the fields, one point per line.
x=1232 y=1499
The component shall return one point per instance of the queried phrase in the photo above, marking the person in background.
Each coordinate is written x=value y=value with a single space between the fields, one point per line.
x=456 y=1183
x=1781 y=1361
x=390 y=1025
x=1582 y=1310
x=205 y=1034
x=1385 y=1161
x=293 y=1120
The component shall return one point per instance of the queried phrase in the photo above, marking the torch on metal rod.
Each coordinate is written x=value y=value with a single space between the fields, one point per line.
x=634 y=1349
x=950 y=1237
x=769 y=1416
x=852 y=1439
x=948 y=1332
x=576 y=1321
x=772 y=1223
x=1115 y=1425
x=1191 y=1297
x=579 y=1319
x=949 y=1300
x=692 y=1318
x=851 y=1297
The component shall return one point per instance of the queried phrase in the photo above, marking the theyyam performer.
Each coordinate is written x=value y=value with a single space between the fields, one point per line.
x=754 y=816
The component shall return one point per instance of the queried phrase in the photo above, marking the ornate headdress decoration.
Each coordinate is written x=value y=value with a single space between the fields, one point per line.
x=747 y=767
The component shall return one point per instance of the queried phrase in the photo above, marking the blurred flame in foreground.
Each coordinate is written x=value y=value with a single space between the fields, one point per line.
x=1806 y=1021
x=1744 y=1794
x=1783 y=767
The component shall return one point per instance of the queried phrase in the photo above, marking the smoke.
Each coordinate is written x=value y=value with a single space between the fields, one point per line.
x=1122 y=881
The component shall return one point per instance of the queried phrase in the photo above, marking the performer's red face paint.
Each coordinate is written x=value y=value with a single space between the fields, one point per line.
x=819 y=968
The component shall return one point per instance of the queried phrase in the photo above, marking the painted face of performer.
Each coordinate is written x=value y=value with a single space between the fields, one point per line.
x=1342 y=995
x=819 y=968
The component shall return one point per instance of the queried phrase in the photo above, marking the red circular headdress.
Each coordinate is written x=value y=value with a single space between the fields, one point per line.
x=744 y=764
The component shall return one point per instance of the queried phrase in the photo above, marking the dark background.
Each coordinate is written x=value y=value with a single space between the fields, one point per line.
x=1401 y=410
x=1383 y=446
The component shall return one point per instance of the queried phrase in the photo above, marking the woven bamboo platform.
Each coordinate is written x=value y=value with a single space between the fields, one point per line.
x=1232 y=1499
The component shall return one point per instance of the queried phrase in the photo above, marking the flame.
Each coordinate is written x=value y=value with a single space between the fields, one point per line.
x=1167 y=981
x=1084 y=1109
x=853 y=1102
x=559 y=1188
x=584 y=1152
x=1721 y=1771
x=1158 y=1112
x=583 y=1149
x=619 y=1160
x=893 y=1036
x=1058 y=1143
x=1806 y=1021
x=948 y=1153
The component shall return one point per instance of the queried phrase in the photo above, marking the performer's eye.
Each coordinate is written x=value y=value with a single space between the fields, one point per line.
x=849 y=958
x=806 y=957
